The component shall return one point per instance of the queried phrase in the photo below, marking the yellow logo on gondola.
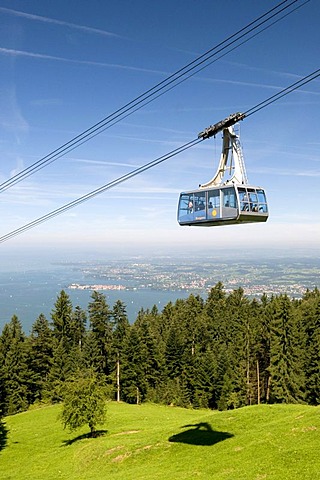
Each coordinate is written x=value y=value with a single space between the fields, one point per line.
x=214 y=212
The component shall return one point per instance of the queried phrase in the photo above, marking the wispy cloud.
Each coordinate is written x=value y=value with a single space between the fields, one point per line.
x=253 y=84
x=103 y=163
x=246 y=66
x=45 y=102
x=286 y=172
x=22 y=53
x=39 y=18
x=41 y=56
x=11 y=118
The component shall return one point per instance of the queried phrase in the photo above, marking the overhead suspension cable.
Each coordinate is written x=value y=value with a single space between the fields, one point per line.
x=157 y=161
x=181 y=75
x=283 y=93
x=108 y=186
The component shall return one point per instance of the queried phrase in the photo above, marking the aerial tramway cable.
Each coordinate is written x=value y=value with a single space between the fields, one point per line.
x=181 y=75
x=157 y=161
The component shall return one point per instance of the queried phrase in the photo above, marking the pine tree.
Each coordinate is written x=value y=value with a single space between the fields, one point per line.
x=78 y=327
x=264 y=317
x=61 y=370
x=134 y=385
x=121 y=325
x=62 y=319
x=100 y=317
x=311 y=320
x=175 y=348
x=287 y=381
x=143 y=361
x=14 y=352
x=121 y=329
x=233 y=336
x=216 y=313
x=41 y=354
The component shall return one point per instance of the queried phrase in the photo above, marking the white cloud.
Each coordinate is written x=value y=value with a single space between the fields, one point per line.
x=22 y=53
x=11 y=118
x=102 y=163
x=39 y=18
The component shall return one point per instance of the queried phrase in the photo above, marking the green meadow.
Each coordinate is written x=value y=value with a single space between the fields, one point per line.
x=273 y=442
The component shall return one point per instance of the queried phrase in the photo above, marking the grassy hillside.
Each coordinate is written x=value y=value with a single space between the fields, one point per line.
x=279 y=442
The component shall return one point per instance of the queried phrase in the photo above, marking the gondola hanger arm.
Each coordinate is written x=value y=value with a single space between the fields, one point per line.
x=218 y=127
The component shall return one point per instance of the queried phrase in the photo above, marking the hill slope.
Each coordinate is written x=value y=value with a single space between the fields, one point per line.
x=277 y=442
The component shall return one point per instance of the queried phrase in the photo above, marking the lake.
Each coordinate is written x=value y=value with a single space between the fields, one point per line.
x=27 y=293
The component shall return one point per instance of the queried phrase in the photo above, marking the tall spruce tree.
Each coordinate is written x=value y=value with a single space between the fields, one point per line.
x=15 y=375
x=78 y=327
x=311 y=320
x=121 y=325
x=287 y=379
x=41 y=356
x=100 y=317
x=121 y=329
x=62 y=319
x=264 y=315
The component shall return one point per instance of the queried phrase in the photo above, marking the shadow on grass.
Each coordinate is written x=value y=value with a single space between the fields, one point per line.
x=3 y=436
x=98 y=433
x=200 y=434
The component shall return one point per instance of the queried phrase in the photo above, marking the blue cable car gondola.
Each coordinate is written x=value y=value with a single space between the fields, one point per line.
x=224 y=201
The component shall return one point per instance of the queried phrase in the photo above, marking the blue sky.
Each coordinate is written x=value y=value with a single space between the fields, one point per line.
x=66 y=65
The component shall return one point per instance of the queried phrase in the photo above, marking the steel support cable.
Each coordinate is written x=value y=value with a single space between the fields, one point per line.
x=133 y=109
x=99 y=190
x=144 y=98
x=153 y=163
x=283 y=93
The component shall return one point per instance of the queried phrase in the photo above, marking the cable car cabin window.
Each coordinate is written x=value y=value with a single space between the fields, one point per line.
x=192 y=207
x=214 y=199
x=243 y=199
x=213 y=204
x=200 y=205
x=229 y=203
x=229 y=197
x=262 y=201
x=186 y=207
x=252 y=200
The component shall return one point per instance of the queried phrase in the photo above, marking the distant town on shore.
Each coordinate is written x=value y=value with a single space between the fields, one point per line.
x=270 y=277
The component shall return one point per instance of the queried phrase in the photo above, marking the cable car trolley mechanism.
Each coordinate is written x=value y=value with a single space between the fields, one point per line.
x=224 y=201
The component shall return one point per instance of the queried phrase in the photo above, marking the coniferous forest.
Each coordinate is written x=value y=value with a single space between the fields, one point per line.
x=222 y=352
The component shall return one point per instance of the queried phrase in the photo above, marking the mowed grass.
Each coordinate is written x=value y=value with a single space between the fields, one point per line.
x=142 y=442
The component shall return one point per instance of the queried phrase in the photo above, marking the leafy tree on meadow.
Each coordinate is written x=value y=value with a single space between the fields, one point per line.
x=84 y=402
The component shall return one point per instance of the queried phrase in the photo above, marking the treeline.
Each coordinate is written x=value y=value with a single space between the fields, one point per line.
x=222 y=352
